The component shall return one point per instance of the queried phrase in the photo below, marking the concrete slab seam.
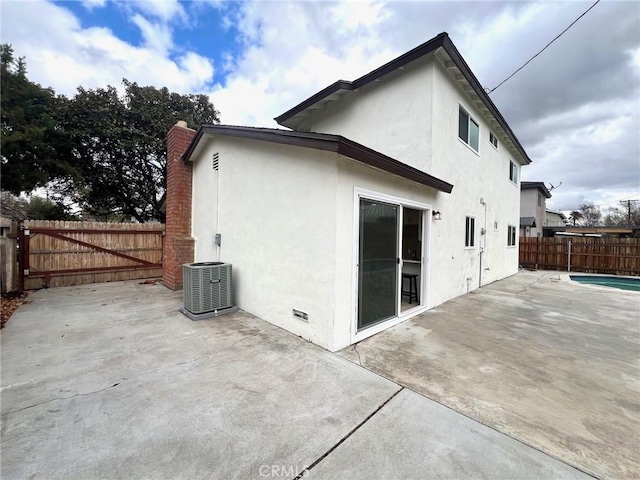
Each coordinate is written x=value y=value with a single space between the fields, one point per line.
x=503 y=433
x=531 y=284
x=343 y=439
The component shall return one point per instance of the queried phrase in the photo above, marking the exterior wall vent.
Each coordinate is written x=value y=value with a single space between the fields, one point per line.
x=215 y=161
x=207 y=286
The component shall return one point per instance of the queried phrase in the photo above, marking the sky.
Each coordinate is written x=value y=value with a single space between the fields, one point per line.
x=575 y=108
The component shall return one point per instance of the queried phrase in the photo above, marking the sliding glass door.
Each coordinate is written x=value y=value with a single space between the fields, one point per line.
x=377 y=262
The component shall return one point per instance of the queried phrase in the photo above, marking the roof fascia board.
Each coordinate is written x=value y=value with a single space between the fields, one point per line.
x=457 y=59
x=388 y=67
x=376 y=159
x=441 y=40
x=325 y=142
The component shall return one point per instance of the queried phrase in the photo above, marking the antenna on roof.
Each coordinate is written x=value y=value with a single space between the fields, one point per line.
x=552 y=187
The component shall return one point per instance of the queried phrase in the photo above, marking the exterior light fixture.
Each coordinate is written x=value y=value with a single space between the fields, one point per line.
x=437 y=215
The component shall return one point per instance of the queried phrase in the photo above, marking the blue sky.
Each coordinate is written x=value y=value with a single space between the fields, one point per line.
x=203 y=30
x=575 y=108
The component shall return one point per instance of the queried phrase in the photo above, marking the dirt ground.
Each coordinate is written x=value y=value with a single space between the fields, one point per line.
x=9 y=303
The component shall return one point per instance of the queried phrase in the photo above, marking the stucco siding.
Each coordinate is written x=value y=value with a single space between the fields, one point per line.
x=277 y=208
x=391 y=116
x=475 y=175
x=353 y=175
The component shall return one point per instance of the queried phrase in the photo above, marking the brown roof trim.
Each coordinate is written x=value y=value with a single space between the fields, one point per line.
x=326 y=142
x=441 y=40
x=539 y=185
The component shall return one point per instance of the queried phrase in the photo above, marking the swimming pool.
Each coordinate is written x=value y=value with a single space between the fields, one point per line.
x=623 y=283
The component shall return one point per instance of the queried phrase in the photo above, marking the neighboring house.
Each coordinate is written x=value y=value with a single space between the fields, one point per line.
x=554 y=222
x=533 y=205
x=555 y=219
x=390 y=195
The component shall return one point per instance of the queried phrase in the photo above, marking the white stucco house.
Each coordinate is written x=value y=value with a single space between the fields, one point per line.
x=533 y=208
x=383 y=197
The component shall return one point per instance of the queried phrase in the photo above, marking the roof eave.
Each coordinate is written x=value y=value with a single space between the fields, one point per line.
x=325 y=142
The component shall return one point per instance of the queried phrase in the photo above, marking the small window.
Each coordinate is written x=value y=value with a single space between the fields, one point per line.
x=539 y=200
x=468 y=130
x=493 y=140
x=513 y=172
x=511 y=236
x=470 y=232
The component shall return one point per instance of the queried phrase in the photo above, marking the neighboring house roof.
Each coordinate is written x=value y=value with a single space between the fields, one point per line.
x=326 y=142
x=560 y=214
x=539 y=185
x=527 y=221
x=461 y=73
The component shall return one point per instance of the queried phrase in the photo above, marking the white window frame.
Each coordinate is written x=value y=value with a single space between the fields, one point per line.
x=470 y=118
x=466 y=232
x=514 y=172
x=493 y=137
x=425 y=285
x=511 y=234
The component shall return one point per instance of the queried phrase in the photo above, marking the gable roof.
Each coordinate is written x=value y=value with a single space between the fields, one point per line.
x=457 y=65
x=322 y=141
x=539 y=185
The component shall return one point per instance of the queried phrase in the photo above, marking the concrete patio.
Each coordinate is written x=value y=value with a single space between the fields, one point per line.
x=111 y=381
x=543 y=359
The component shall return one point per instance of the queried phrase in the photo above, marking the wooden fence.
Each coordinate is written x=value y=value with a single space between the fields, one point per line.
x=618 y=256
x=56 y=253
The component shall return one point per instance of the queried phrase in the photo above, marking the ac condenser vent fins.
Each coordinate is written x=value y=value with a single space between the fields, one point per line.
x=207 y=286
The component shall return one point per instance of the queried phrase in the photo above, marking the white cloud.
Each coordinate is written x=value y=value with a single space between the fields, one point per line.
x=157 y=36
x=62 y=54
x=91 y=4
x=575 y=107
x=162 y=9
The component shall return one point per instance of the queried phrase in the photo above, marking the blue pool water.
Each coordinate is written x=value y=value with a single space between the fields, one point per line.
x=608 y=281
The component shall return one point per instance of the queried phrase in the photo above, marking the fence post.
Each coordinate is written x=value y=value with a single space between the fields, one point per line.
x=569 y=258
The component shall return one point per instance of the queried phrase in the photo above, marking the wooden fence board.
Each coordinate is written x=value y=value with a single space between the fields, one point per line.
x=71 y=253
x=617 y=256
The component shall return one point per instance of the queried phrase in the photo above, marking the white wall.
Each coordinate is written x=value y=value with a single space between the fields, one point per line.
x=485 y=175
x=355 y=175
x=286 y=214
x=391 y=116
x=277 y=208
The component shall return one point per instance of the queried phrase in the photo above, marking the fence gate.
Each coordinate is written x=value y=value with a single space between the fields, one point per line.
x=72 y=253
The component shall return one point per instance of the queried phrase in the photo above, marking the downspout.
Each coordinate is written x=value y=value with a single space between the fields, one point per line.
x=483 y=240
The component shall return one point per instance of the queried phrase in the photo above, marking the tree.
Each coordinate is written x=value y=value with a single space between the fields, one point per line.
x=31 y=145
x=119 y=145
x=591 y=215
x=34 y=208
x=625 y=215
x=576 y=216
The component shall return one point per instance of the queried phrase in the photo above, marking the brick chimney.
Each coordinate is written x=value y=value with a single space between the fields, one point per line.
x=178 y=244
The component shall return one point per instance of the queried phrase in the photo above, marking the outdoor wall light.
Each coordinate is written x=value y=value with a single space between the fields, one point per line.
x=437 y=215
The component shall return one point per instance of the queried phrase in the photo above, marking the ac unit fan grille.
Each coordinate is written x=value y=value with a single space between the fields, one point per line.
x=207 y=287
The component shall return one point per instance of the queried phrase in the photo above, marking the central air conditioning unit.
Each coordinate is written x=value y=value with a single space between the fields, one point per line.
x=207 y=289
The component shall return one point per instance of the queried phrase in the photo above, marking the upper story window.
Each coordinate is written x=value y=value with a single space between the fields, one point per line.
x=493 y=140
x=468 y=129
x=513 y=172
x=470 y=234
x=539 y=200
